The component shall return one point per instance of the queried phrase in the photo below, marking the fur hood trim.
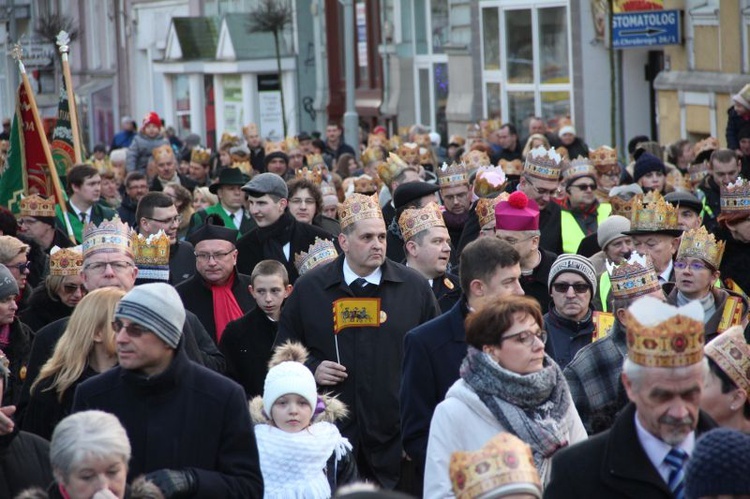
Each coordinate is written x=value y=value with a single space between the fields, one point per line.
x=335 y=410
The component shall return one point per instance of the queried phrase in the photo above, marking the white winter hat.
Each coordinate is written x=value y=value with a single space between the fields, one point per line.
x=289 y=377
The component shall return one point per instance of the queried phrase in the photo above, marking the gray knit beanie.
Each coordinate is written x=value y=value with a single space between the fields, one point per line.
x=573 y=263
x=158 y=308
x=611 y=229
x=8 y=284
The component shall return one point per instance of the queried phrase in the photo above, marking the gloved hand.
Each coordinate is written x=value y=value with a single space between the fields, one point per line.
x=174 y=483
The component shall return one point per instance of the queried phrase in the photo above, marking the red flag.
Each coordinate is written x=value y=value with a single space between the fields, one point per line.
x=36 y=177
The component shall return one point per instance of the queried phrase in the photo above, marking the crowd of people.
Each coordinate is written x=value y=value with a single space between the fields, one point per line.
x=499 y=317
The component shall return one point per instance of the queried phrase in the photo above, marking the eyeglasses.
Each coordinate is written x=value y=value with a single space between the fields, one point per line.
x=513 y=241
x=72 y=288
x=544 y=192
x=527 y=337
x=563 y=287
x=694 y=266
x=100 y=267
x=133 y=330
x=27 y=221
x=296 y=200
x=21 y=267
x=206 y=257
x=585 y=187
x=167 y=221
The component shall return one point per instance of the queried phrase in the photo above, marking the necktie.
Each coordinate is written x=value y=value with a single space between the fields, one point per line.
x=83 y=217
x=360 y=287
x=676 y=459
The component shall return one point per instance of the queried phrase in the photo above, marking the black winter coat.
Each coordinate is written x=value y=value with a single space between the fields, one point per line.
x=247 y=345
x=181 y=262
x=42 y=310
x=24 y=463
x=18 y=352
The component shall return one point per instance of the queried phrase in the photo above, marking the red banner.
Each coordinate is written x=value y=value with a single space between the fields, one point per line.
x=36 y=176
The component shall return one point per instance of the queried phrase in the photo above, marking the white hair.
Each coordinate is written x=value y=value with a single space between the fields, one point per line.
x=118 y=155
x=84 y=435
x=636 y=372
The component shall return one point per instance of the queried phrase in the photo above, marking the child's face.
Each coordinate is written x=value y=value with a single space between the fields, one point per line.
x=291 y=413
x=270 y=292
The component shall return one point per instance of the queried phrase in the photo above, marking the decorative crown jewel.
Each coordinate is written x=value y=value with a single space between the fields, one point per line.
x=513 y=167
x=414 y=220
x=652 y=213
x=603 y=156
x=163 y=153
x=489 y=181
x=543 y=164
x=37 y=206
x=486 y=209
x=314 y=160
x=320 y=252
x=736 y=196
x=391 y=168
x=633 y=277
x=359 y=207
x=661 y=335
x=111 y=236
x=698 y=243
x=476 y=159
x=453 y=175
x=731 y=353
x=65 y=261
x=314 y=175
x=579 y=167
x=200 y=155
x=229 y=139
x=272 y=147
x=503 y=461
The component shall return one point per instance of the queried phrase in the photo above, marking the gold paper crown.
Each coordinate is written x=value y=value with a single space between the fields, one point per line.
x=579 y=167
x=505 y=460
x=228 y=139
x=408 y=148
x=152 y=256
x=736 y=196
x=403 y=131
x=320 y=252
x=652 y=213
x=486 y=209
x=163 y=153
x=706 y=145
x=65 y=261
x=414 y=220
x=621 y=207
x=291 y=143
x=603 y=156
x=200 y=155
x=731 y=353
x=376 y=140
x=111 y=236
x=425 y=156
x=422 y=140
x=697 y=172
x=661 y=335
x=453 y=175
x=475 y=159
x=314 y=175
x=244 y=166
x=513 y=167
x=633 y=277
x=315 y=160
x=489 y=181
x=249 y=129
x=37 y=206
x=391 y=168
x=359 y=207
x=394 y=143
x=543 y=164
x=371 y=155
x=698 y=243
x=272 y=147
x=457 y=139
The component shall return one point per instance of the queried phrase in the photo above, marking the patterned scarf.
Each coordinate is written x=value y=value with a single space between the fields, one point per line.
x=533 y=406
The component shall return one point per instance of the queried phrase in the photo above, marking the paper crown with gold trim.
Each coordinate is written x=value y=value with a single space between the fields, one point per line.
x=37 y=206
x=414 y=220
x=703 y=148
x=454 y=175
x=604 y=159
x=391 y=168
x=457 y=140
x=163 y=152
x=291 y=142
x=244 y=166
x=731 y=353
x=320 y=252
x=394 y=143
x=314 y=160
x=425 y=156
x=476 y=159
x=152 y=256
x=543 y=164
x=228 y=140
x=489 y=181
x=486 y=209
x=503 y=466
x=372 y=155
x=697 y=172
x=578 y=168
x=662 y=335
x=272 y=147
x=652 y=214
x=314 y=175
x=512 y=167
x=633 y=277
x=200 y=155
x=249 y=129
x=65 y=261
x=422 y=139
x=698 y=243
x=735 y=196
x=359 y=207
x=377 y=140
x=110 y=236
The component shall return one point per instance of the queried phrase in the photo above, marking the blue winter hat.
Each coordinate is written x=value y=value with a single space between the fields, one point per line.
x=719 y=465
x=647 y=163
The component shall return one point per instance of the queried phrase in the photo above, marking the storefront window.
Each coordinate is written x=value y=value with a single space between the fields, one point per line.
x=491 y=34
x=494 y=105
x=553 y=46
x=182 y=104
x=440 y=25
x=520 y=47
x=431 y=34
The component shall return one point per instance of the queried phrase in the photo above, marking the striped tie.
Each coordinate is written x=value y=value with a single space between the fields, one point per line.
x=676 y=461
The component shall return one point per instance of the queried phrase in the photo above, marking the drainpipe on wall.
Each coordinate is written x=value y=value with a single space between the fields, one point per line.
x=321 y=88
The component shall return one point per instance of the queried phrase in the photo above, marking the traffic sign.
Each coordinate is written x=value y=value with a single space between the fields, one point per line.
x=646 y=29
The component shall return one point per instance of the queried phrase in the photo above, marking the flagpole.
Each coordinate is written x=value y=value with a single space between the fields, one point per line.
x=63 y=41
x=17 y=53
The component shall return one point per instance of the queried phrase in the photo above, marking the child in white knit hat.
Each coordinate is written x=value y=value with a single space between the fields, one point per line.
x=302 y=454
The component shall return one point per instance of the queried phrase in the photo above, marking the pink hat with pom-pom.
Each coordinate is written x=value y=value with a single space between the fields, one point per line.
x=517 y=213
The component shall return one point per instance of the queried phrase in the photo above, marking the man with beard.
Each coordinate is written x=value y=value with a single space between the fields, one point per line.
x=644 y=454
x=540 y=181
x=455 y=193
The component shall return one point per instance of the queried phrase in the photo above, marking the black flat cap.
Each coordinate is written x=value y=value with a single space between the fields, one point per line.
x=685 y=199
x=411 y=191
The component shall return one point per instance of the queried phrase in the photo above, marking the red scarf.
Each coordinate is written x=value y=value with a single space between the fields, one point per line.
x=226 y=308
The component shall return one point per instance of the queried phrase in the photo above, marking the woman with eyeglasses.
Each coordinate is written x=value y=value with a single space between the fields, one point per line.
x=14 y=255
x=86 y=348
x=507 y=384
x=61 y=291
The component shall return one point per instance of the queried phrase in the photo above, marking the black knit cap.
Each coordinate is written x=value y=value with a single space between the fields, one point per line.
x=719 y=465
x=647 y=163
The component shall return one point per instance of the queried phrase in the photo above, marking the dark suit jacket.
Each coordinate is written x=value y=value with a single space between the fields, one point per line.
x=433 y=353
x=612 y=464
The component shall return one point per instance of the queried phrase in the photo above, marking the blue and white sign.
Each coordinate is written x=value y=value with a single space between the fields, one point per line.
x=646 y=29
